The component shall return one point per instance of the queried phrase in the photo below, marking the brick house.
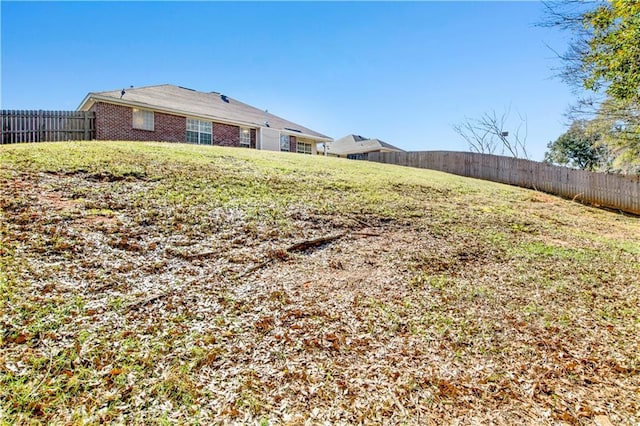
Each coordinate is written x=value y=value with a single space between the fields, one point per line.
x=176 y=114
x=357 y=147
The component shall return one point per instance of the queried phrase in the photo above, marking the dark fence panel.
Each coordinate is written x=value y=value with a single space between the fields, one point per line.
x=47 y=126
x=609 y=190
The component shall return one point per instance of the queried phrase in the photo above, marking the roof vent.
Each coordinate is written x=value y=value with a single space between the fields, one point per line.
x=186 y=88
x=224 y=98
x=293 y=130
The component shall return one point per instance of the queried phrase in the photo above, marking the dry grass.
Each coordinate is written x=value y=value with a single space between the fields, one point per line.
x=128 y=293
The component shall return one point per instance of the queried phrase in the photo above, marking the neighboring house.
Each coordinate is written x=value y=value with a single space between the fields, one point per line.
x=356 y=147
x=177 y=114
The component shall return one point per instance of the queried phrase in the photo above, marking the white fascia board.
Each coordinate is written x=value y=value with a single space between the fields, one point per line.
x=86 y=101
x=303 y=136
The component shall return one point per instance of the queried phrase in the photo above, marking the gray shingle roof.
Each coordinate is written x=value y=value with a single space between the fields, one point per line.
x=210 y=105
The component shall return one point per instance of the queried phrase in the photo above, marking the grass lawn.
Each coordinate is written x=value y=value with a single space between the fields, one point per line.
x=159 y=283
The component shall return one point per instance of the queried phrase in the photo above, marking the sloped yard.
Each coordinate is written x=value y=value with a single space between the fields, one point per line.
x=158 y=283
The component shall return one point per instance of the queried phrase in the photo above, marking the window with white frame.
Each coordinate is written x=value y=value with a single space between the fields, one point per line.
x=142 y=119
x=285 y=143
x=303 y=147
x=198 y=131
x=245 y=137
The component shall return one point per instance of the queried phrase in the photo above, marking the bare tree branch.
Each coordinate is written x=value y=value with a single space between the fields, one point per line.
x=488 y=133
x=479 y=140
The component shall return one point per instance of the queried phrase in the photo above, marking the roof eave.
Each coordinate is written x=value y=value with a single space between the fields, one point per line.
x=362 y=150
x=85 y=101
x=316 y=138
x=97 y=98
x=92 y=98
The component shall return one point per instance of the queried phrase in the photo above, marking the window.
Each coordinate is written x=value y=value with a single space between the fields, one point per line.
x=284 y=143
x=198 y=131
x=245 y=137
x=142 y=119
x=304 y=148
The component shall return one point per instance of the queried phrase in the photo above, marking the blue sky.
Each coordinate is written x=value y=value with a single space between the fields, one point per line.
x=403 y=72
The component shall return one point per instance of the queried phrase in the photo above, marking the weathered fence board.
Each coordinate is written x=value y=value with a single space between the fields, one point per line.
x=609 y=190
x=46 y=126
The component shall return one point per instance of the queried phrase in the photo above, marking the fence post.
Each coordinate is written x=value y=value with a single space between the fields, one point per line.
x=86 y=125
x=39 y=126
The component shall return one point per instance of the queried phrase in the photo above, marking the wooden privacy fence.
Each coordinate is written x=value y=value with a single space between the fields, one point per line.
x=609 y=190
x=47 y=126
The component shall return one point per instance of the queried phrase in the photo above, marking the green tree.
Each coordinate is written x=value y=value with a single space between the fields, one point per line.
x=618 y=124
x=604 y=57
x=604 y=53
x=612 y=61
x=578 y=147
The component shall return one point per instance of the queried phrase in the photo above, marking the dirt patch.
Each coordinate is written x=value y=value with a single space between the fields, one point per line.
x=57 y=202
x=94 y=220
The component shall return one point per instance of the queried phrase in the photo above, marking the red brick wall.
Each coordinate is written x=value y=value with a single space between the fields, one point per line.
x=226 y=135
x=115 y=122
